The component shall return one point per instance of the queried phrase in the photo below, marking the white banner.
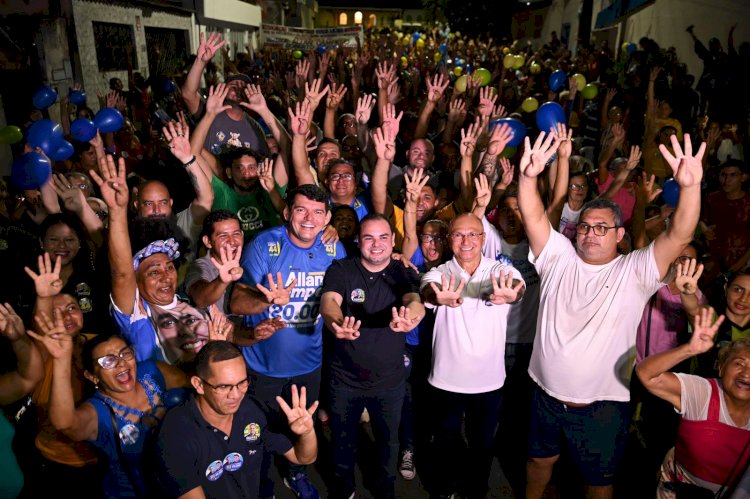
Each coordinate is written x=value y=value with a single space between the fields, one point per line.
x=308 y=38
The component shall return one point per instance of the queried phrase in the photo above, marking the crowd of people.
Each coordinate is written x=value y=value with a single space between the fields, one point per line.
x=282 y=242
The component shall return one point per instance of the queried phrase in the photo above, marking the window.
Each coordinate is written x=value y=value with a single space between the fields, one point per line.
x=358 y=17
x=343 y=19
x=372 y=21
x=111 y=40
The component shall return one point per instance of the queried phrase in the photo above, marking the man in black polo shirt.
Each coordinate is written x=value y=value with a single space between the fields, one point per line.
x=368 y=304
x=213 y=445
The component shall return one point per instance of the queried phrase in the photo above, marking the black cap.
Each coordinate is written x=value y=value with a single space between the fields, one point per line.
x=238 y=77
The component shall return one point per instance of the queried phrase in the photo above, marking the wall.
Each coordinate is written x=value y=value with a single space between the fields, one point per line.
x=85 y=13
x=328 y=17
x=232 y=11
x=560 y=12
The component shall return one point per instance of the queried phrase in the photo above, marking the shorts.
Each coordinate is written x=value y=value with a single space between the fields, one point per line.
x=595 y=434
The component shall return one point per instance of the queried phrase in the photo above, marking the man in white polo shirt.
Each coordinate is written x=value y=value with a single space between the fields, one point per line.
x=591 y=303
x=471 y=295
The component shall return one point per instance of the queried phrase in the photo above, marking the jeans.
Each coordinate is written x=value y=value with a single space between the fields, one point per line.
x=346 y=405
x=481 y=411
x=265 y=389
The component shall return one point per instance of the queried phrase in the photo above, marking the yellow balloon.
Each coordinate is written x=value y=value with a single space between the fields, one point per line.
x=506 y=50
x=458 y=70
x=437 y=56
x=590 y=91
x=535 y=68
x=518 y=61
x=530 y=105
x=461 y=84
x=420 y=43
x=580 y=81
x=404 y=61
x=458 y=33
x=405 y=40
x=624 y=47
x=508 y=61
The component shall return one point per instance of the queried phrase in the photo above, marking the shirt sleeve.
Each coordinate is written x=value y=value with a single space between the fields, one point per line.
x=433 y=275
x=695 y=394
x=558 y=248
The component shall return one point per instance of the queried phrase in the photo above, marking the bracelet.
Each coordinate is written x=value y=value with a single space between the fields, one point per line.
x=192 y=160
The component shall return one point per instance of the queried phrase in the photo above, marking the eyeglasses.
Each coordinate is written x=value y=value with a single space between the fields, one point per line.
x=110 y=361
x=577 y=187
x=599 y=230
x=471 y=236
x=225 y=389
x=428 y=238
x=346 y=177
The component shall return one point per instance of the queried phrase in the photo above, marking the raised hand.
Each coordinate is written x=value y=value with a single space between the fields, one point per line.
x=646 y=190
x=178 y=137
x=487 y=100
x=499 y=138
x=448 y=293
x=300 y=417
x=394 y=92
x=348 y=330
x=391 y=121
x=401 y=322
x=301 y=71
x=704 y=330
x=72 y=197
x=499 y=112
x=469 y=138
x=255 y=100
x=503 y=290
x=618 y=133
x=457 y=111
x=208 y=47
x=276 y=293
x=634 y=158
x=335 y=95
x=11 y=325
x=299 y=121
x=314 y=94
x=112 y=183
x=365 y=105
x=534 y=159
x=267 y=327
x=219 y=328
x=385 y=72
x=329 y=235
x=507 y=174
x=265 y=175
x=215 y=101
x=688 y=169
x=47 y=282
x=384 y=142
x=52 y=335
x=483 y=191
x=564 y=141
x=687 y=275
x=414 y=185
x=436 y=87
x=228 y=264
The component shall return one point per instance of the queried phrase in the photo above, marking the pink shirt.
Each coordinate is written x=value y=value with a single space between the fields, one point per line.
x=624 y=197
x=668 y=323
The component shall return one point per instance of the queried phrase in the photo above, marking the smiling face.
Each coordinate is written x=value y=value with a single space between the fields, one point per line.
x=306 y=219
x=376 y=240
x=183 y=329
x=735 y=376
x=427 y=203
x=325 y=153
x=121 y=378
x=157 y=279
x=226 y=234
x=433 y=242
x=70 y=313
x=345 y=223
x=738 y=298
x=154 y=201
x=420 y=154
x=509 y=220
x=60 y=240
x=341 y=183
x=467 y=238
x=598 y=250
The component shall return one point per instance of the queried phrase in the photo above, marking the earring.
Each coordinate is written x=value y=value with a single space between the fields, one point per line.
x=96 y=384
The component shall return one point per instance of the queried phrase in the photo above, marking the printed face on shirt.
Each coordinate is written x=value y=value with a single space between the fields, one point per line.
x=341 y=182
x=598 y=250
x=226 y=234
x=183 y=329
x=306 y=219
x=60 y=240
x=376 y=240
x=156 y=278
x=244 y=173
x=738 y=298
x=154 y=201
x=230 y=373
x=70 y=313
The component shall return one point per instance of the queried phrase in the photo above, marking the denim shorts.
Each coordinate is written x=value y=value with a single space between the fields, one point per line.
x=595 y=434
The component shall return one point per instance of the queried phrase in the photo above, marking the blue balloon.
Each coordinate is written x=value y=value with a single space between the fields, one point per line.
x=83 y=130
x=557 y=80
x=44 y=97
x=78 y=97
x=416 y=36
x=45 y=134
x=322 y=49
x=63 y=152
x=632 y=47
x=30 y=171
x=108 y=120
x=175 y=397
x=549 y=115
x=517 y=128
x=443 y=48
x=670 y=192
x=168 y=87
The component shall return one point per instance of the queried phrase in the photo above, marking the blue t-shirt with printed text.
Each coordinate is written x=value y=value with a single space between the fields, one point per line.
x=297 y=348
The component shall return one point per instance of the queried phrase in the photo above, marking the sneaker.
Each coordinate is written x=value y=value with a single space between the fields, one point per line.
x=407 y=465
x=301 y=486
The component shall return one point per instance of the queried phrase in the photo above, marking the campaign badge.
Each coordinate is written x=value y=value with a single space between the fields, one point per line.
x=214 y=470
x=251 y=432
x=129 y=434
x=358 y=295
x=233 y=461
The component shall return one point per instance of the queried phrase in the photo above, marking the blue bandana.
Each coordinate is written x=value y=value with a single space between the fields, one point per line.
x=170 y=247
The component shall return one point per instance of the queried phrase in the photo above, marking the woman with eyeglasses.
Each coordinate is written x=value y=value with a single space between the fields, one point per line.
x=128 y=405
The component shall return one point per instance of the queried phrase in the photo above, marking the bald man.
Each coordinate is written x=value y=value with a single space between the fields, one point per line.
x=471 y=295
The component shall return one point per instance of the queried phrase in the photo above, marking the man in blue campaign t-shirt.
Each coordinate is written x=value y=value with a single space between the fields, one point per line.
x=283 y=275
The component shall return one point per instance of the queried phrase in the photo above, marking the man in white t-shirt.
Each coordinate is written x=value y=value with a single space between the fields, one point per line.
x=591 y=303
x=471 y=295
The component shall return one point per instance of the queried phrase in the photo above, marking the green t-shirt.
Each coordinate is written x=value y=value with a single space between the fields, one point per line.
x=255 y=210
